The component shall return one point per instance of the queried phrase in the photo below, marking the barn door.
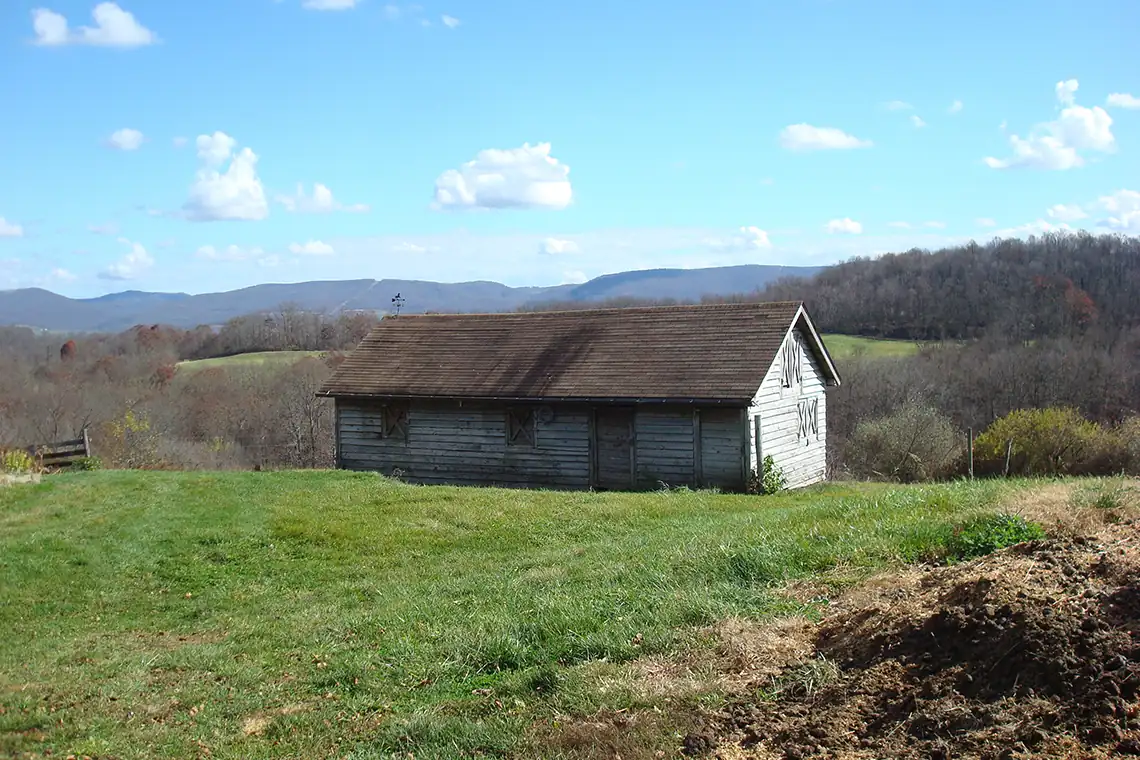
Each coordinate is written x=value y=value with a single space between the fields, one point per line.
x=613 y=439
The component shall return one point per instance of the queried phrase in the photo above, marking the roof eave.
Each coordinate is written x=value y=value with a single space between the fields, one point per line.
x=694 y=401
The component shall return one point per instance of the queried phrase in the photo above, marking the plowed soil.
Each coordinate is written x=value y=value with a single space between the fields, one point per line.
x=1030 y=652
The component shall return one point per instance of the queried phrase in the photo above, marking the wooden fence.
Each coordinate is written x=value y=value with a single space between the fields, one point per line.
x=62 y=454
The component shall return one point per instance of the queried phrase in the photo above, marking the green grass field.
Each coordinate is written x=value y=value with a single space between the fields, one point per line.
x=257 y=358
x=844 y=346
x=332 y=614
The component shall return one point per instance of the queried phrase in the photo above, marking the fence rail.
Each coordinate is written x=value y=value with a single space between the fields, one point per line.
x=61 y=454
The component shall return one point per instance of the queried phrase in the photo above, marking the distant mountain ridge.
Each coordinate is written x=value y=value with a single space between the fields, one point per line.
x=35 y=307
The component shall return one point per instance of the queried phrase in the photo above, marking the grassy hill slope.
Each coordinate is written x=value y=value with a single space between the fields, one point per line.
x=315 y=614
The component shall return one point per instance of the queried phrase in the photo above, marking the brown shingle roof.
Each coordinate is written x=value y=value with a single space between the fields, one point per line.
x=716 y=352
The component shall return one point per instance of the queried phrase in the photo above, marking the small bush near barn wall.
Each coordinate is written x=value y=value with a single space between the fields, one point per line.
x=914 y=443
x=1053 y=441
x=1129 y=436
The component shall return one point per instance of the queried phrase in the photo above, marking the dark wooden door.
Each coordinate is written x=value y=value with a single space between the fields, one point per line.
x=613 y=437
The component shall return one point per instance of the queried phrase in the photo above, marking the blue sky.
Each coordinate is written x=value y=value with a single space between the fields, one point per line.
x=208 y=145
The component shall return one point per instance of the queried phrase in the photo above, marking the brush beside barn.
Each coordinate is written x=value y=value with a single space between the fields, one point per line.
x=605 y=398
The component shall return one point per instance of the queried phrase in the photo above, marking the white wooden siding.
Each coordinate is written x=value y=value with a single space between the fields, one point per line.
x=466 y=445
x=804 y=460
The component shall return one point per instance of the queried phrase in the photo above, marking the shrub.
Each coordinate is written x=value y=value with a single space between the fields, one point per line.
x=17 y=461
x=914 y=443
x=1128 y=434
x=985 y=535
x=1052 y=441
x=769 y=480
x=88 y=463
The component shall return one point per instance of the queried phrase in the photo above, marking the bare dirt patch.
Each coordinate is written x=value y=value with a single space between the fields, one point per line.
x=1031 y=652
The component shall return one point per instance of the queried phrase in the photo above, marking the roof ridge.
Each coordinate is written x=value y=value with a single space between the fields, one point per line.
x=606 y=309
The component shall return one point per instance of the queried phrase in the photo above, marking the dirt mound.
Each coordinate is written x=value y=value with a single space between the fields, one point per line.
x=1031 y=652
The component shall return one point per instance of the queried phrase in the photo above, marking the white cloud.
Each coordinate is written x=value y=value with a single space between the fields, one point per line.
x=917 y=121
x=269 y=261
x=229 y=253
x=804 y=137
x=179 y=142
x=745 y=238
x=236 y=194
x=1123 y=100
x=843 y=227
x=1056 y=145
x=1124 y=205
x=553 y=246
x=1066 y=91
x=312 y=248
x=449 y=21
x=110 y=228
x=329 y=5
x=392 y=12
x=899 y=225
x=412 y=248
x=897 y=105
x=526 y=177
x=955 y=107
x=320 y=202
x=574 y=277
x=215 y=149
x=1066 y=213
x=1039 y=227
x=125 y=139
x=985 y=221
x=129 y=266
x=10 y=229
x=62 y=275
x=114 y=27
x=935 y=225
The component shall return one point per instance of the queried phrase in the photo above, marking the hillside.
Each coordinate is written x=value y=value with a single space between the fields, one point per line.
x=39 y=308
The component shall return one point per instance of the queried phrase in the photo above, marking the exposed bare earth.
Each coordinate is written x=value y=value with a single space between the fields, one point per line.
x=1030 y=652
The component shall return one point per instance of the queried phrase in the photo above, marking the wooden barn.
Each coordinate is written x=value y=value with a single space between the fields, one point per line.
x=606 y=398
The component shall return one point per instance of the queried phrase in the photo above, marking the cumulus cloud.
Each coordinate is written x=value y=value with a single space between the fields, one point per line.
x=1066 y=212
x=745 y=238
x=526 y=177
x=1056 y=145
x=1066 y=91
x=114 y=27
x=312 y=248
x=897 y=105
x=449 y=21
x=955 y=107
x=805 y=137
x=131 y=265
x=62 y=275
x=1123 y=100
x=229 y=253
x=125 y=139
x=179 y=142
x=320 y=202
x=917 y=121
x=110 y=228
x=1124 y=208
x=843 y=227
x=236 y=193
x=406 y=247
x=10 y=229
x=553 y=246
x=1039 y=227
x=329 y=5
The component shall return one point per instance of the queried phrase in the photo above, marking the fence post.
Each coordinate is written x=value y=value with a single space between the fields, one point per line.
x=970 y=436
x=1008 y=453
x=86 y=443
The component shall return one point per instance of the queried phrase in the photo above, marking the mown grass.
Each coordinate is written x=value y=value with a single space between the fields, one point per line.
x=256 y=358
x=844 y=346
x=321 y=614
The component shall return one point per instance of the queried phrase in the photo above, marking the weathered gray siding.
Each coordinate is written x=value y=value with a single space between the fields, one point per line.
x=466 y=445
x=803 y=459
